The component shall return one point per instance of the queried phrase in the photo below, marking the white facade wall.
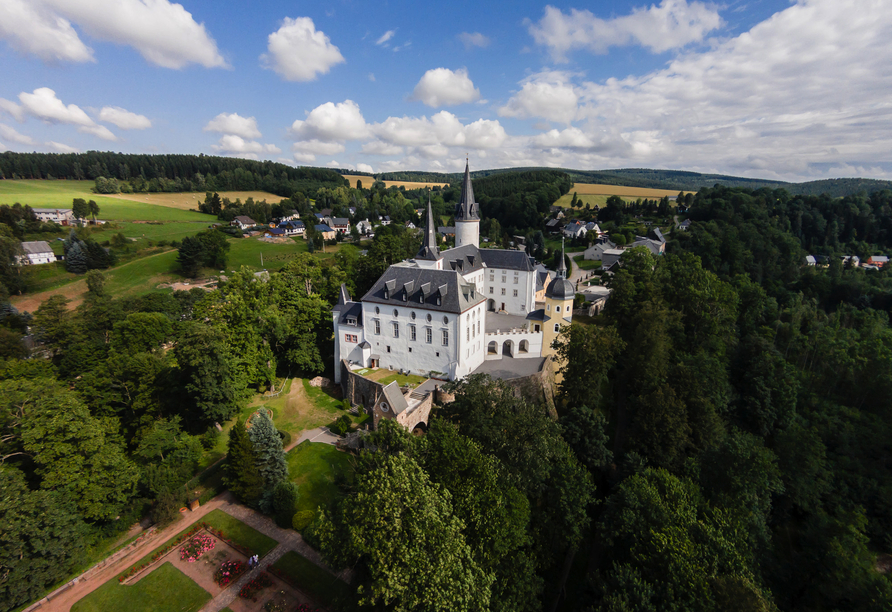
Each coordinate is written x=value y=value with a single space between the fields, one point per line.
x=476 y=278
x=471 y=347
x=33 y=259
x=417 y=356
x=533 y=346
x=500 y=286
x=467 y=232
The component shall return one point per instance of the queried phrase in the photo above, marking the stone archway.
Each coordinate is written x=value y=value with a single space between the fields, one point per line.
x=524 y=346
x=491 y=305
x=492 y=348
x=508 y=348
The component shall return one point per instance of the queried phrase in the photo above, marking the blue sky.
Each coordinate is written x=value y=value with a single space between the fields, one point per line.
x=767 y=88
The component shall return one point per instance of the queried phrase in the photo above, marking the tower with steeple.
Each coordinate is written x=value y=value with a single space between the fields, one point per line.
x=467 y=214
x=558 y=306
x=428 y=255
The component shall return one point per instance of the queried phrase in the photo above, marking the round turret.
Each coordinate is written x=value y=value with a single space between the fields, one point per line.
x=560 y=289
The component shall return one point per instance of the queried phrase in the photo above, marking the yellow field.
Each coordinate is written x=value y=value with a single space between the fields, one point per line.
x=368 y=180
x=600 y=200
x=190 y=201
x=620 y=190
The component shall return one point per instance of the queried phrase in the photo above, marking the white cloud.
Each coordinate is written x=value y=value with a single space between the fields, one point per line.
x=443 y=128
x=304 y=158
x=233 y=123
x=550 y=95
x=231 y=144
x=58 y=147
x=376 y=147
x=15 y=110
x=123 y=118
x=372 y=77
x=13 y=136
x=317 y=147
x=671 y=25
x=385 y=37
x=30 y=28
x=332 y=122
x=298 y=52
x=443 y=87
x=44 y=104
x=364 y=168
x=473 y=39
x=165 y=34
x=100 y=131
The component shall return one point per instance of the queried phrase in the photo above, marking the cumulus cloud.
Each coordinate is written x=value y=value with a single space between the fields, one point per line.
x=10 y=134
x=299 y=52
x=123 y=118
x=376 y=147
x=33 y=29
x=233 y=123
x=164 y=33
x=318 y=147
x=443 y=87
x=473 y=39
x=671 y=25
x=58 y=147
x=231 y=144
x=443 y=128
x=332 y=122
x=44 y=105
x=364 y=168
x=550 y=95
x=385 y=37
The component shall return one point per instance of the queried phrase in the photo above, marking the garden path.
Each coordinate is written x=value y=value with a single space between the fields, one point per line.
x=288 y=540
x=320 y=434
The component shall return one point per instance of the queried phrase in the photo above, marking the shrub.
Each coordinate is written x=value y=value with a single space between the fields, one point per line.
x=197 y=546
x=302 y=519
x=167 y=508
x=286 y=437
x=341 y=426
x=209 y=438
x=229 y=572
x=284 y=498
x=250 y=590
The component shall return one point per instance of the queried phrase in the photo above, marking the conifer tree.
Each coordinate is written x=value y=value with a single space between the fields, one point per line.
x=268 y=452
x=76 y=260
x=242 y=475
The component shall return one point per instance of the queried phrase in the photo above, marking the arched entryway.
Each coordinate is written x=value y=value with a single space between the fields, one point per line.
x=524 y=346
x=491 y=305
x=493 y=348
x=508 y=348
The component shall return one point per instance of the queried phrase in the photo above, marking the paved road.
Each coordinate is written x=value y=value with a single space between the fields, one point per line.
x=320 y=434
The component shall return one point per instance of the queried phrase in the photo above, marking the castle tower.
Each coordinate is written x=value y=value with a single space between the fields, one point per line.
x=428 y=255
x=467 y=215
x=558 y=306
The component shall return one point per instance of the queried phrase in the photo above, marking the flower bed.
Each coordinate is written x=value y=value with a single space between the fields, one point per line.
x=197 y=546
x=228 y=572
x=250 y=590
x=176 y=542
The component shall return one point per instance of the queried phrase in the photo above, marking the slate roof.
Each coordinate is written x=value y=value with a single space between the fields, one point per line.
x=651 y=245
x=446 y=230
x=323 y=228
x=429 y=250
x=506 y=260
x=463 y=259
x=245 y=220
x=467 y=209
x=37 y=247
x=657 y=235
x=395 y=398
x=454 y=293
x=341 y=221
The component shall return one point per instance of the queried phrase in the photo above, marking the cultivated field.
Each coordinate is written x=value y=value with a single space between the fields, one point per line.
x=620 y=190
x=190 y=201
x=368 y=180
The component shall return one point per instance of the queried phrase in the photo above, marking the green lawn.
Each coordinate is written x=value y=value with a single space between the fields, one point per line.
x=59 y=194
x=586 y=264
x=166 y=589
x=319 y=584
x=403 y=379
x=240 y=533
x=315 y=468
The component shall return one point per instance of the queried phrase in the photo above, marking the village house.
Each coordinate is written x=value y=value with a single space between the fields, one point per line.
x=326 y=232
x=35 y=253
x=574 y=229
x=62 y=216
x=340 y=225
x=293 y=228
x=877 y=260
x=364 y=227
x=596 y=251
x=242 y=222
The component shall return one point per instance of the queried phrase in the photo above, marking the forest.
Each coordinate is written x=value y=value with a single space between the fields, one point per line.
x=722 y=438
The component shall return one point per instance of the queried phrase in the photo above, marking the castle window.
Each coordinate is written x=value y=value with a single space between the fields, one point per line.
x=377 y=310
x=515 y=278
x=388 y=349
x=377 y=327
x=413 y=315
x=478 y=327
x=405 y=296
x=468 y=334
x=557 y=308
x=384 y=407
x=445 y=320
x=491 y=289
x=428 y=317
x=445 y=338
x=503 y=291
x=536 y=328
x=411 y=333
x=515 y=293
x=557 y=327
x=548 y=307
x=395 y=312
x=429 y=335
x=396 y=330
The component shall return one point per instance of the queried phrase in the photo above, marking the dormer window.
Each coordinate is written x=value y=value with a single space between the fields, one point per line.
x=421 y=298
x=405 y=296
x=351 y=320
x=386 y=294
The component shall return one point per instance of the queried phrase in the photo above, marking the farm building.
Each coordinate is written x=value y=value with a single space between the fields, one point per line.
x=62 y=216
x=242 y=222
x=35 y=253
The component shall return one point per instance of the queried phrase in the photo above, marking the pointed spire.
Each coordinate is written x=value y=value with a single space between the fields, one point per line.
x=466 y=210
x=562 y=267
x=429 y=248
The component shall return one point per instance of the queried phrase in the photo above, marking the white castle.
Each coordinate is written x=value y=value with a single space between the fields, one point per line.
x=452 y=313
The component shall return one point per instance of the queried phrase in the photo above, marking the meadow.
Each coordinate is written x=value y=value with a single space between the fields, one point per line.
x=620 y=190
x=191 y=200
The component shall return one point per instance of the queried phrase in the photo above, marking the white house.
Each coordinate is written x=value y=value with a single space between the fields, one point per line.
x=364 y=226
x=35 y=253
x=446 y=313
x=340 y=224
x=62 y=216
x=574 y=230
x=242 y=222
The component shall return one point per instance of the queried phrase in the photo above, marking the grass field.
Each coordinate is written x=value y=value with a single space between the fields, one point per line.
x=319 y=584
x=368 y=180
x=241 y=534
x=166 y=589
x=586 y=264
x=59 y=194
x=191 y=200
x=315 y=468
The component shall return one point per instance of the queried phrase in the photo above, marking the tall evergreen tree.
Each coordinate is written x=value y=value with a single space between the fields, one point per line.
x=270 y=457
x=76 y=259
x=242 y=476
